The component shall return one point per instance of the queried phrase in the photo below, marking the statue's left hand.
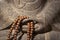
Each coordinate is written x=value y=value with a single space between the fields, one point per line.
x=38 y=26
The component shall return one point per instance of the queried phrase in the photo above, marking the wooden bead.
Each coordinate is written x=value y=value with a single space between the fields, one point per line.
x=18 y=23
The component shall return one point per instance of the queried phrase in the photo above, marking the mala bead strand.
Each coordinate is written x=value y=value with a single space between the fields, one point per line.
x=10 y=31
x=17 y=26
x=28 y=31
x=32 y=29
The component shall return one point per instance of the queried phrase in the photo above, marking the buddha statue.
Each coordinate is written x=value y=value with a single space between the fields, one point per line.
x=44 y=13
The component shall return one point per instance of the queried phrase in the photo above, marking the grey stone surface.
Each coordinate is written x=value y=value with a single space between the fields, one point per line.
x=45 y=12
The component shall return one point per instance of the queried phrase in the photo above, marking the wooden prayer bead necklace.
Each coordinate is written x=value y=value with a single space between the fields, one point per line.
x=15 y=27
x=30 y=30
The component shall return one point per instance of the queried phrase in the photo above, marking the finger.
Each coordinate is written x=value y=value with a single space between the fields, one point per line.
x=38 y=27
x=28 y=20
x=24 y=28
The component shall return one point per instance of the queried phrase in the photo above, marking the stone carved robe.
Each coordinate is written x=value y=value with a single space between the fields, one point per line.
x=46 y=11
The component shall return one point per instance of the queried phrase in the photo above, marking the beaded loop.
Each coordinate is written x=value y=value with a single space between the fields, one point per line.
x=15 y=26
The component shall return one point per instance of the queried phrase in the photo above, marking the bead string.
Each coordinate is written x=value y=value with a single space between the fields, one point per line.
x=15 y=27
x=16 y=30
x=10 y=31
x=30 y=30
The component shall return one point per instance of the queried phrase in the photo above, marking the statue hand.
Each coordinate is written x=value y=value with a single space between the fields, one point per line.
x=38 y=26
